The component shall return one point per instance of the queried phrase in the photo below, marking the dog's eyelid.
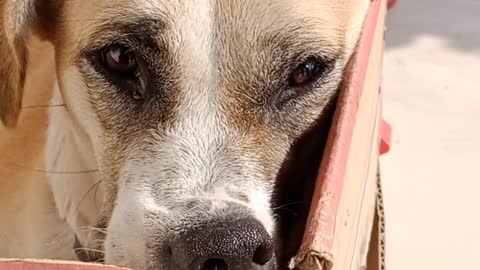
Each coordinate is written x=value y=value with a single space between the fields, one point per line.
x=319 y=57
x=100 y=46
x=134 y=42
x=322 y=66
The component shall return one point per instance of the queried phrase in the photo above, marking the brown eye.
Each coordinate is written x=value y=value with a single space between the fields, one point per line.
x=305 y=73
x=119 y=59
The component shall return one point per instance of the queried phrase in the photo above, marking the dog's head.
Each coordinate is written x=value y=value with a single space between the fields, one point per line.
x=191 y=108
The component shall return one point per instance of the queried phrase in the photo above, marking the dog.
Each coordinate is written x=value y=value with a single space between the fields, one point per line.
x=181 y=134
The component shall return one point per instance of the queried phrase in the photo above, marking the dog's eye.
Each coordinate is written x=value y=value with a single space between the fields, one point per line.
x=302 y=77
x=305 y=73
x=120 y=60
x=124 y=68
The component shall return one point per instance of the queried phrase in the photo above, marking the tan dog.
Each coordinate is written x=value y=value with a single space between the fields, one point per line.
x=173 y=128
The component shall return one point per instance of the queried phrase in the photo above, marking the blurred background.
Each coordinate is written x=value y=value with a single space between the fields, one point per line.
x=431 y=84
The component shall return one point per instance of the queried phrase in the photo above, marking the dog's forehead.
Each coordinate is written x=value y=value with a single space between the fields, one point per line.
x=264 y=10
x=329 y=17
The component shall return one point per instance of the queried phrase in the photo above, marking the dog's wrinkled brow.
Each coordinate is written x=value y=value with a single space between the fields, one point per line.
x=141 y=31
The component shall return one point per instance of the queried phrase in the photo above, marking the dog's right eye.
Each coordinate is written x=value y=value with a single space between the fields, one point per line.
x=120 y=60
x=124 y=68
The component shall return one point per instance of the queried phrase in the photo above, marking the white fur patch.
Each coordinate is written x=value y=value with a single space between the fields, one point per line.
x=73 y=178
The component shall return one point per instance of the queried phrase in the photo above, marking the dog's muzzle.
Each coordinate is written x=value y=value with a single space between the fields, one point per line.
x=241 y=244
x=223 y=244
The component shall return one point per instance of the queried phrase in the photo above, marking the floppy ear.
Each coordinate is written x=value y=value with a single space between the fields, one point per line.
x=18 y=20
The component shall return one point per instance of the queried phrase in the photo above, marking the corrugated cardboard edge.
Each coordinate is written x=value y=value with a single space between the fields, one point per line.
x=316 y=250
x=376 y=257
x=312 y=260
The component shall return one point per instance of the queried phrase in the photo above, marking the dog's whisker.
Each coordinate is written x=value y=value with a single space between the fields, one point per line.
x=94 y=229
x=287 y=204
x=35 y=170
x=98 y=242
x=100 y=260
x=43 y=106
x=86 y=194
x=89 y=250
x=95 y=195
x=90 y=228
x=284 y=208
x=288 y=210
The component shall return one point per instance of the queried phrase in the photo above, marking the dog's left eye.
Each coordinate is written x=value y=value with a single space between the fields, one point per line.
x=120 y=60
x=301 y=77
x=122 y=66
x=305 y=73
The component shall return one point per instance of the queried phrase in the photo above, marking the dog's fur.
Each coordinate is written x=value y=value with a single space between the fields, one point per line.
x=207 y=141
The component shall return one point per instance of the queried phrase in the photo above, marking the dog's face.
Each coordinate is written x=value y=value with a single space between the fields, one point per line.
x=191 y=108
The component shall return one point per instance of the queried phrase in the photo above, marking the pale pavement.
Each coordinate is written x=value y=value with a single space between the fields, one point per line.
x=431 y=177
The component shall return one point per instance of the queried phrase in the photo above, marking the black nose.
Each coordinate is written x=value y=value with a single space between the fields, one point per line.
x=224 y=245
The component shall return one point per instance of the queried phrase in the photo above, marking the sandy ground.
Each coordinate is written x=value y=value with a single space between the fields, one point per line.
x=432 y=99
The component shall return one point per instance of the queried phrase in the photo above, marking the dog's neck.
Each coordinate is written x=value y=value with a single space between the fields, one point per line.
x=71 y=161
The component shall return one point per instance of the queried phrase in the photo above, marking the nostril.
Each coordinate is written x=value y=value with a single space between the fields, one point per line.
x=215 y=264
x=263 y=254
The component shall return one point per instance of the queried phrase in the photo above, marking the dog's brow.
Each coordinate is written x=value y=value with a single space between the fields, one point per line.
x=304 y=37
x=144 y=31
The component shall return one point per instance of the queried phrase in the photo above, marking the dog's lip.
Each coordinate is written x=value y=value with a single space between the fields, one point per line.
x=84 y=255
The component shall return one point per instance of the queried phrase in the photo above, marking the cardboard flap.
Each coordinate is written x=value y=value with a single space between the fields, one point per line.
x=31 y=264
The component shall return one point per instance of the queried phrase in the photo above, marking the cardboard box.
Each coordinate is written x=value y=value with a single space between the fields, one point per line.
x=345 y=227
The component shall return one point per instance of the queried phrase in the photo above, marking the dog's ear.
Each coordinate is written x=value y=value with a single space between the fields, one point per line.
x=19 y=19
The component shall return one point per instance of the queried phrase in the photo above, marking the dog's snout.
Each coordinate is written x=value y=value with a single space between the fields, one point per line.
x=224 y=245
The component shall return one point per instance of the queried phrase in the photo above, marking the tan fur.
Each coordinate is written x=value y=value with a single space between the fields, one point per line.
x=93 y=136
x=26 y=199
